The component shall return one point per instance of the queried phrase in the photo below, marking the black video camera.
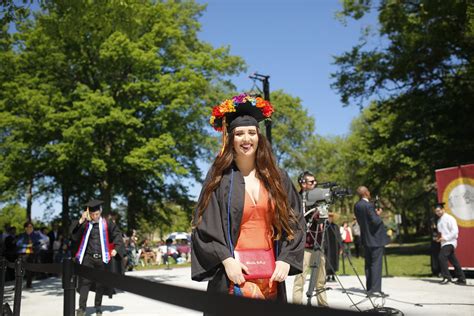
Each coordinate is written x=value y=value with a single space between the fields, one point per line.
x=320 y=198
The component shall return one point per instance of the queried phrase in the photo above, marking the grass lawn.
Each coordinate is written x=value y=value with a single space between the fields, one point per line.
x=161 y=266
x=410 y=259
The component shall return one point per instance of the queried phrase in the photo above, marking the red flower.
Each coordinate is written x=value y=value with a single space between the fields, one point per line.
x=267 y=110
x=216 y=111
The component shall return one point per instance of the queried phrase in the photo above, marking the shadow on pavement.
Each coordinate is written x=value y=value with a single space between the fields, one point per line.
x=105 y=308
x=433 y=281
x=159 y=278
x=50 y=286
x=351 y=289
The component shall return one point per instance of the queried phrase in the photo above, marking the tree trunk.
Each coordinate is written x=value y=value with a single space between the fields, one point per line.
x=404 y=224
x=29 y=199
x=132 y=206
x=65 y=218
x=106 y=196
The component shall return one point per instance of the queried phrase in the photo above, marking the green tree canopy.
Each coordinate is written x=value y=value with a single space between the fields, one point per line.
x=422 y=78
x=114 y=96
x=417 y=90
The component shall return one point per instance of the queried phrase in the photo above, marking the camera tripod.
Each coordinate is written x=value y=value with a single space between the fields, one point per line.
x=317 y=255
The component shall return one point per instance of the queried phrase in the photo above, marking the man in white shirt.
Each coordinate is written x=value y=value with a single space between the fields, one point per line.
x=447 y=236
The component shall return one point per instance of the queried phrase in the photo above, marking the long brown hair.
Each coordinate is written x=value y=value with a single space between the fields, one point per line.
x=266 y=171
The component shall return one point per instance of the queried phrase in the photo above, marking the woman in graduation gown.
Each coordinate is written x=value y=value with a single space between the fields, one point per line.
x=246 y=202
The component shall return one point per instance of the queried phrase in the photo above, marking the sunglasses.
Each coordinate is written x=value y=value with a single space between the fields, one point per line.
x=310 y=181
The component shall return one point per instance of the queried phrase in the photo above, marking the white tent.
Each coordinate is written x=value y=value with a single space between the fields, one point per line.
x=179 y=235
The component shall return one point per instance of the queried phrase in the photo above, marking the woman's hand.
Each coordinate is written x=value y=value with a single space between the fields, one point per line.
x=281 y=272
x=233 y=269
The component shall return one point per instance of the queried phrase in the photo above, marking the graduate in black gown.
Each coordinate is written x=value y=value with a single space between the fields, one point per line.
x=332 y=248
x=97 y=240
x=244 y=164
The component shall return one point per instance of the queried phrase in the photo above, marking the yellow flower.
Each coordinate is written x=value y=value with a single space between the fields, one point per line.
x=227 y=106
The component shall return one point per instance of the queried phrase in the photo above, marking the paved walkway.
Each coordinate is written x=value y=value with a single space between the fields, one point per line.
x=45 y=298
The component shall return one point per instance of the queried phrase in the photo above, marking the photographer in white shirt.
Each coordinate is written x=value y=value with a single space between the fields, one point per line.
x=447 y=236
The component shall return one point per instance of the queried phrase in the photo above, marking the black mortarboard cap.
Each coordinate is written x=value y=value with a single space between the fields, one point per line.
x=94 y=205
x=439 y=205
x=243 y=120
x=246 y=115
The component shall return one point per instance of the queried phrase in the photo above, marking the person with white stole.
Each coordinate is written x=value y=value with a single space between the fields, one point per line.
x=99 y=240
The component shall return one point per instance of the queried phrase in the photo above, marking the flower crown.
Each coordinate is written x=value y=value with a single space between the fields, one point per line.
x=232 y=105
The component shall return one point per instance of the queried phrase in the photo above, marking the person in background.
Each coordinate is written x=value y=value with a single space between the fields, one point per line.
x=447 y=237
x=53 y=235
x=28 y=247
x=99 y=240
x=332 y=248
x=132 y=250
x=184 y=250
x=44 y=255
x=346 y=236
x=57 y=249
x=169 y=250
x=357 y=240
x=374 y=238
x=147 y=253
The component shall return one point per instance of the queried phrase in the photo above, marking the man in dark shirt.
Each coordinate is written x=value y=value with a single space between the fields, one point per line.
x=91 y=230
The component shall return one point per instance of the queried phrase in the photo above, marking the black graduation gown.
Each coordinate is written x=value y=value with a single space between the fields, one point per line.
x=115 y=237
x=210 y=242
x=332 y=245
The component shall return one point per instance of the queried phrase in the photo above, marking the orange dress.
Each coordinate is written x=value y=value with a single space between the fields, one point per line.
x=256 y=233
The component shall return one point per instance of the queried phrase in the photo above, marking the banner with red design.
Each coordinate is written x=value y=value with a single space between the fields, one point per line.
x=456 y=190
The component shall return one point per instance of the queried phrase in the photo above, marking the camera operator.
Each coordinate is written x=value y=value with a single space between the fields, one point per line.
x=308 y=182
x=374 y=238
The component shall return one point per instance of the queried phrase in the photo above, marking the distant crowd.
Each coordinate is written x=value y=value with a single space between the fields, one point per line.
x=51 y=245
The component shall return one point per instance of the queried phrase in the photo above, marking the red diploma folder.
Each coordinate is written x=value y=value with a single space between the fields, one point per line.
x=260 y=262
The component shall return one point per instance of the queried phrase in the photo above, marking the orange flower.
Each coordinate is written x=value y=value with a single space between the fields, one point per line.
x=260 y=102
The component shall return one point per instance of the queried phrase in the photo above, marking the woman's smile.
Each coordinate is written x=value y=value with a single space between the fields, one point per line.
x=245 y=140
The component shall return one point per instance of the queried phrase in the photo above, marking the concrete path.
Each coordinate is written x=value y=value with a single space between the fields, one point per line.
x=45 y=298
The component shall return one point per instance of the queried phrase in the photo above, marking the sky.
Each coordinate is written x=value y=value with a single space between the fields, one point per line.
x=292 y=41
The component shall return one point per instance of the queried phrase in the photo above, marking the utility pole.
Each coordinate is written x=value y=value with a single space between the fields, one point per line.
x=266 y=96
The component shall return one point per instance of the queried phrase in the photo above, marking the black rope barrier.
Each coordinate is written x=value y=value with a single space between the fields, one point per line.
x=53 y=268
x=213 y=303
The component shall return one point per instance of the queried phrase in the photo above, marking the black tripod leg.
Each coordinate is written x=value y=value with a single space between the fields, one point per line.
x=314 y=265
